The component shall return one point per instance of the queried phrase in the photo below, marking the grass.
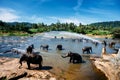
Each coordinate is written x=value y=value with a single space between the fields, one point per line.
x=100 y=32
x=16 y=33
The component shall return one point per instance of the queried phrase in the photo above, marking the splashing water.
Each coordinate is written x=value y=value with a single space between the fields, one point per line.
x=66 y=34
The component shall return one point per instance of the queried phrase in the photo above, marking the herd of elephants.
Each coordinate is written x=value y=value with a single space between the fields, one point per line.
x=32 y=58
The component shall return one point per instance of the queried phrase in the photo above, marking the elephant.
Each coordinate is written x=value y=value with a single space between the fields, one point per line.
x=31 y=58
x=74 y=57
x=59 y=47
x=112 y=44
x=30 y=48
x=44 y=47
x=87 y=49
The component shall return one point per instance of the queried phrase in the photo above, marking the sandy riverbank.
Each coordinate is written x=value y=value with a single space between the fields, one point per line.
x=99 y=36
x=9 y=69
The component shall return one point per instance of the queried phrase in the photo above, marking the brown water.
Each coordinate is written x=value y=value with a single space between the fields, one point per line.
x=64 y=70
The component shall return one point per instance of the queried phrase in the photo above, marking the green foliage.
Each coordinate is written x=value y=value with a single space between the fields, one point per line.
x=116 y=32
x=103 y=28
x=105 y=25
x=33 y=30
x=100 y=32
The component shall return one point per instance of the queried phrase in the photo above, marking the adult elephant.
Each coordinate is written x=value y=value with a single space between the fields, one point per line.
x=31 y=58
x=87 y=49
x=44 y=47
x=59 y=47
x=74 y=57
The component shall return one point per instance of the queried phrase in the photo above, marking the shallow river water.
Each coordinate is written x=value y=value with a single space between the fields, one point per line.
x=60 y=66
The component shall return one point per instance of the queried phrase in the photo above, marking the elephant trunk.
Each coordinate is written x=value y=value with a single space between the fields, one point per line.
x=64 y=56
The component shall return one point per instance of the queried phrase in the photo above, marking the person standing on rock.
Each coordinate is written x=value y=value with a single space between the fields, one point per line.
x=103 y=51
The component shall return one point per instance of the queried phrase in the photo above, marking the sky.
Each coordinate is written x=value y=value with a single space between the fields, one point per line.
x=52 y=11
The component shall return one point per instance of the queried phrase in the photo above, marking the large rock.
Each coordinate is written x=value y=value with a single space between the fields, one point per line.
x=110 y=65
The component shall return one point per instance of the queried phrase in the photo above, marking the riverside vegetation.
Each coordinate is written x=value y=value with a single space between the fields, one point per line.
x=25 y=28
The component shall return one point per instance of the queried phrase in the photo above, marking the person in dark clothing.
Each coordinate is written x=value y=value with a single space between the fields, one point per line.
x=104 y=43
x=30 y=49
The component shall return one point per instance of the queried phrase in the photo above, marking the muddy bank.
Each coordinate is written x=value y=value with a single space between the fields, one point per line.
x=109 y=64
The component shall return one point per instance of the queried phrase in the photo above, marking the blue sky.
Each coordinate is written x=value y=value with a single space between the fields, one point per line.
x=52 y=11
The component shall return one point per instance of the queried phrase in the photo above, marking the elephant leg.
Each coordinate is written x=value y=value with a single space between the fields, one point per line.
x=87 y=51
x=73 y=60
x=28 y=64
x=78 y=61
x=40 y=66
x=91 y=50
x=70 y=60
x=83 y=51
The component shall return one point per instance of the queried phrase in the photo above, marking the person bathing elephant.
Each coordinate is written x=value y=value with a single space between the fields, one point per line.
x=87 y=49
x=44 y=47
x=59 y=47
x=31 y=58
x=30 y=48
x=74 y=57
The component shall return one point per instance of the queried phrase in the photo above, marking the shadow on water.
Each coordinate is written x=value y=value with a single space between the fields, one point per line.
x=43 y=68
x=46 y=68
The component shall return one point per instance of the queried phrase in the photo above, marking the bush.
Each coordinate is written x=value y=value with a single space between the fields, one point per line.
x=100 y=32
x=31 y=31
x=116 y=33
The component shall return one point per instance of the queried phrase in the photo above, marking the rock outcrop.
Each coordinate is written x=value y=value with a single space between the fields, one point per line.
x=109 y=64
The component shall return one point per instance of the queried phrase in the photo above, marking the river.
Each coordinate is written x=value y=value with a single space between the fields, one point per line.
x=60 y=66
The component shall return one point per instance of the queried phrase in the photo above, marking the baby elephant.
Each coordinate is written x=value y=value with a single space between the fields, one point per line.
x=74 y=57
x=87 y=49
x=31 y=58
x=44 y=47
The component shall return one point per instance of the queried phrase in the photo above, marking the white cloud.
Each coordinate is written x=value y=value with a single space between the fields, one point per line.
x=8 y=15
x=68 y=20
x=79 y=3
x=32 y=19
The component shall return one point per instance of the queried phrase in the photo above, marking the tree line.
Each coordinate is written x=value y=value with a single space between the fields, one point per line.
x=102 y=28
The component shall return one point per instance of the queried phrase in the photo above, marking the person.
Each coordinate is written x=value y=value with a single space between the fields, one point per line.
x=103 y=51
x=30 y=48
x=105 y=44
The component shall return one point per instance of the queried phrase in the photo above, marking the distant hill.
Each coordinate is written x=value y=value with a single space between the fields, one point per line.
x=106 y=24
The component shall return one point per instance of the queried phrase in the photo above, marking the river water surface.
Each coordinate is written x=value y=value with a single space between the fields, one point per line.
x=60 y=66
